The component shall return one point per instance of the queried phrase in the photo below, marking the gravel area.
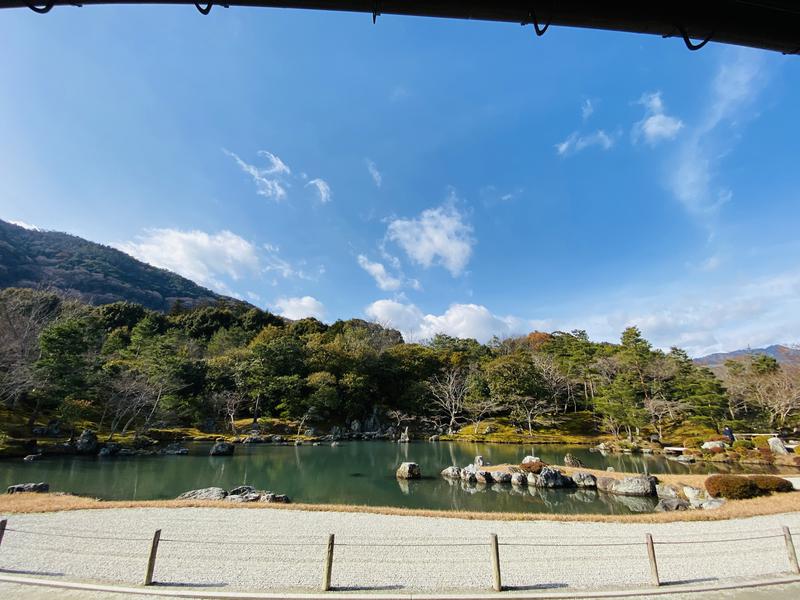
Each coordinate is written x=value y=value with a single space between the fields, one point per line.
x=276 y=550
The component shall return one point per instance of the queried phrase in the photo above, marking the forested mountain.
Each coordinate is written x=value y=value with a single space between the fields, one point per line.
x=91 y=272
x=783 y=354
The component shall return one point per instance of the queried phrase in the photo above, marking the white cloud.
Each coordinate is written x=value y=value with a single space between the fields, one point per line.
x=379 y=273
x=274 y=263
x=300 y=308
x=323 y=189
x=693 y=172
x=374 y=172
x=269 y=181
x=439 y=236
x=576 y=142
x=656 y=125
x=203 y=257
x=459 y=320
x=25 y=225
x=587 y=109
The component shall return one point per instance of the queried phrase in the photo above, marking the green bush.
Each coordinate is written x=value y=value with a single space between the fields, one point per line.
x=693 y=442
x=771 y=483
x=761 y=441
x=732 y=487
x=743 y=445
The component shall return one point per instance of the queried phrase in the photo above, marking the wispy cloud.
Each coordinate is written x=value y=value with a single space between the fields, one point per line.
x=383 y=279
x=323 y=189
x=376 y=175
x=273 y=263
x=656 y=126
x=299 y=307
x=693 y=173
x=576 y=142
x=438 y=236
x=269 y=180
x=25 y=225
x=587 y=109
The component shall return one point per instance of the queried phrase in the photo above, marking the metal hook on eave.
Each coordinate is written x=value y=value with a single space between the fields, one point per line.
x=689 y=44
x=206 y=10
x=533 y=19
x=40 y=10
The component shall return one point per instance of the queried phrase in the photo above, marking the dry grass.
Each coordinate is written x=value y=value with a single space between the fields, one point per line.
x=768 y=505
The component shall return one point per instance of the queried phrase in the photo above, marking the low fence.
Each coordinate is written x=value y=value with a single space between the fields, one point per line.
x=328 y=547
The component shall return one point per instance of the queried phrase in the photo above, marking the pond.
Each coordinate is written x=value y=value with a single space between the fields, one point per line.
x=360 y=473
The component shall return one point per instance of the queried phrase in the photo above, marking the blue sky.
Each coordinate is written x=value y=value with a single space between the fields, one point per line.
x=432 y=175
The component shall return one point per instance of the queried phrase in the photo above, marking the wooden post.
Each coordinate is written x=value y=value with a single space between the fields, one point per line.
x=497 y=584
x=787 y=535
x=651 y=553
x=3 y=524
x=151 y=562
x=326 y=575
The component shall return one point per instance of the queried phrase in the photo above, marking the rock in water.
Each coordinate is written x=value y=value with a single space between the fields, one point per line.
x=776 y=445
x=501 y=477
x=451 y=473
x=483 y=476
x=38 y=488
x=481 y=462
x=529 y=459
x=671 y=504
x=222 y=449
x=212 y=493
x=584 y=480
x=86 y=442
x=408 y=470
x=666 y=491
x=519 y=479
x=550 y=477
x=571 y=461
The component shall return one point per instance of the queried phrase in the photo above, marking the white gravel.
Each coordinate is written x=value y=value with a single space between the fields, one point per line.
x=278 y=550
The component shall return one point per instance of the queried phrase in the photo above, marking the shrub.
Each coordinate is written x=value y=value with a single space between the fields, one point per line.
x=770 y=483
x=533 y=467
x=718 y=438
x=733 y=487
x=761 y=441
x=694 y=442
x=743 y=445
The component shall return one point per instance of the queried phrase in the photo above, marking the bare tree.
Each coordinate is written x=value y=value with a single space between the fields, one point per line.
x=398 y=416
x=479 y=406
x=449 y=388
x=23 y=316
x=661 y=408
x=228 y=403
x=778 y=394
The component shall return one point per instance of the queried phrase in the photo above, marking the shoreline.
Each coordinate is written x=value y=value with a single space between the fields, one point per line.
x=21 y=504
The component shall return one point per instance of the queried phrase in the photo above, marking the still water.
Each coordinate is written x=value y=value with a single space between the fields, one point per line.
x=359 y=473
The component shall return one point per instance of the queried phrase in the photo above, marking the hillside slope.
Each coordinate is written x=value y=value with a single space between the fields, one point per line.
x=783 y=354
x=94 y=273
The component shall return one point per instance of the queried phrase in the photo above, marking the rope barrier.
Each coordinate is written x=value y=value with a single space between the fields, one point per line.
x=745 y=539
x=76 y=536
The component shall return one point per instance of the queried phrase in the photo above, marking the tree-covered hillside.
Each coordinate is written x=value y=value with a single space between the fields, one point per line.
x=92 y=272
x=126 y=369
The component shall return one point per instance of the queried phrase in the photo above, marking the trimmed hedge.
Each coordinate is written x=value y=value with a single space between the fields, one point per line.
x=533 y=467
x=771 y=483
x=732 y=487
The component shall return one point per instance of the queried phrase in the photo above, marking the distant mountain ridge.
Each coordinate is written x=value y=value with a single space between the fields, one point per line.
x=92 y=272
x=783 y=354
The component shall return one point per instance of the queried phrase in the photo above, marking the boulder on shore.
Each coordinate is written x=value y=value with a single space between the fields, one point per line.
x=501 y=477
x=640 y=485
x=584 y=480
x=529 y=459
x=776 y=445
x=86 y=442
x=408 y=470
x=211 y=493
x=20 y=488
x=671 y=504
x=519 y=479
x=550 y=477
x=222 y=449
x=572 y=461
x=714 y=445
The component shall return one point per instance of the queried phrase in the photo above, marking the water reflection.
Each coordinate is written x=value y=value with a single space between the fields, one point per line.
x=322 y=474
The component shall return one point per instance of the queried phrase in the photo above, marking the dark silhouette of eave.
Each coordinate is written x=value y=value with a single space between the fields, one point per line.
x=767 y=24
